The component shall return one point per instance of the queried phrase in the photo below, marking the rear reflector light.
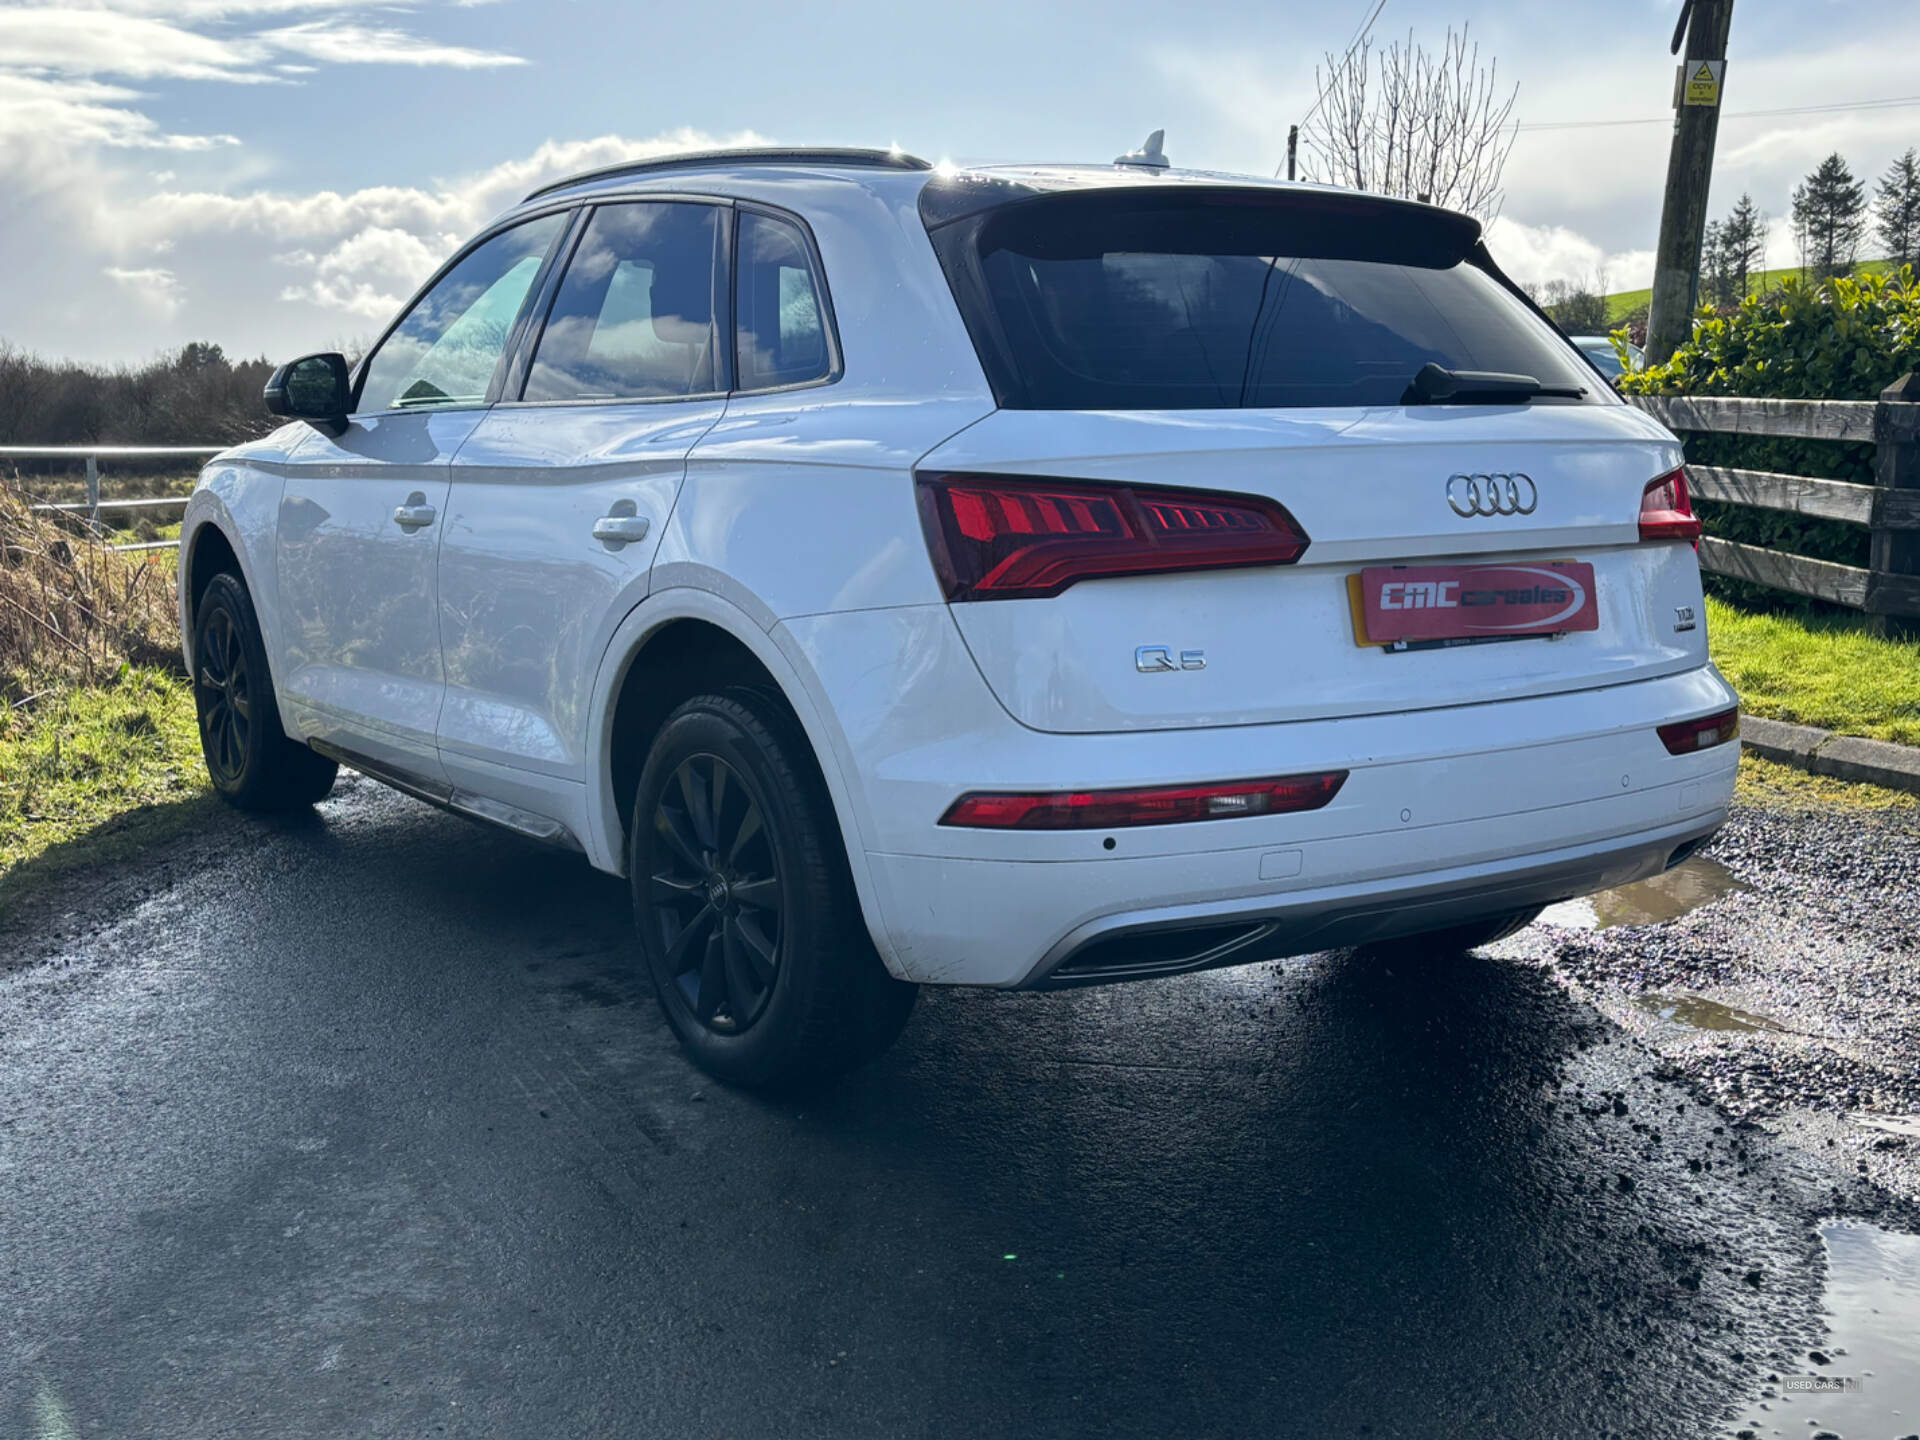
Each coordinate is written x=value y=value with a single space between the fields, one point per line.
x=1687 y=736
x=1666 y=510
x=998 y=537
x=1115 y=809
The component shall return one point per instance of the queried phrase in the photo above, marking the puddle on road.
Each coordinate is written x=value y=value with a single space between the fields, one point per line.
x=1873 y=1348
x=1680 y=891
x=1697 y=1012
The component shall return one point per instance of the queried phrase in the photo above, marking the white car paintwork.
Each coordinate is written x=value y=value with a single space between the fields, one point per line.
x=527 y=594
x=357 y=592
x=1369 y=490
x=489 y=650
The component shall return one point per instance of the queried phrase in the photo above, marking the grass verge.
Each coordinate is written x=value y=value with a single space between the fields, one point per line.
x=1781 y=787
x=97 y=772
x=1817 y=671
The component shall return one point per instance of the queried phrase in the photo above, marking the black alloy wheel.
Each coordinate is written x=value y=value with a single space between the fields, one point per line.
x=716 y=894
x=745 y=908
x=252 y=763
x=223 y=695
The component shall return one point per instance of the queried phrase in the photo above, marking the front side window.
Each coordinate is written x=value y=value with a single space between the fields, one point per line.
x=634 y=317
x=446 y=349
x=781 y=325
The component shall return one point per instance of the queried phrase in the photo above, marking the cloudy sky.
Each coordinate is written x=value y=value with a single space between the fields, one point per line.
x=276 y=175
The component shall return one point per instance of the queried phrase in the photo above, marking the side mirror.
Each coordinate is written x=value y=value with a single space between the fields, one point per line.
x=314 y=387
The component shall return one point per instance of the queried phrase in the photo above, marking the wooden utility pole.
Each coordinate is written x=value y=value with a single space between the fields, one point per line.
x=1683 y=216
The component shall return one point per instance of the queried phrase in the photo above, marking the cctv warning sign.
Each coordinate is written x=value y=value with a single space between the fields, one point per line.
x=1703 y=81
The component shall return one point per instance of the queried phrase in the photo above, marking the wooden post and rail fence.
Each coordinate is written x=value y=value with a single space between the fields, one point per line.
x=1888 y=589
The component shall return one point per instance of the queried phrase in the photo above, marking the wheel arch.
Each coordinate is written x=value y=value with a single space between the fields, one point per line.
x=678 y=643
x=206 y=550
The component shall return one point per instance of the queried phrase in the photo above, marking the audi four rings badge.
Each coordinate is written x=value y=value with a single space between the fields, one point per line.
x=1469 y=495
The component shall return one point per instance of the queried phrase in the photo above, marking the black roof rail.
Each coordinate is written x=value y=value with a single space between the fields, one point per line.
x=767 y=155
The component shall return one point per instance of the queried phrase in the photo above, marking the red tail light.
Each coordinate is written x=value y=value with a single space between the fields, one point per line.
x=1688 y=736
x=1115 y=809
x=1666 y=510
x=997 y=537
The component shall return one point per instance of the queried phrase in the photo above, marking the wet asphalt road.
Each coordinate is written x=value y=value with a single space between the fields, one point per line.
x=368 y=1126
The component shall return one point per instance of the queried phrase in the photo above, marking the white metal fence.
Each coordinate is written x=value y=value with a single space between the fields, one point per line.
x=89 y=509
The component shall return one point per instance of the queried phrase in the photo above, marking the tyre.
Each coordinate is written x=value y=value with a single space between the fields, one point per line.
x=1458 y=939
x=252 y=763
x=746 y=912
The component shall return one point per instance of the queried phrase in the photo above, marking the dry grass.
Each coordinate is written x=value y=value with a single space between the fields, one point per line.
x=72 y=612
x=98 y=745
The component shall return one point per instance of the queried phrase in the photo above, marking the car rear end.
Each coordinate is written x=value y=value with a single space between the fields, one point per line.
x=1324 y=592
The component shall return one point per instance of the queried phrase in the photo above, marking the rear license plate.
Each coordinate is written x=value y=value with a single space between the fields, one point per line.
x=1404 y=606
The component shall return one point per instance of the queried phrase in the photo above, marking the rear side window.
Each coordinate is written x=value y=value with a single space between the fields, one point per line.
x=781 y=329
x=1228 y=301
x=634 y=315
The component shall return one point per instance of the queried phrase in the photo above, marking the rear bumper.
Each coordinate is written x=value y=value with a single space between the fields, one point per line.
x=1530 y=806
x=1177 y=940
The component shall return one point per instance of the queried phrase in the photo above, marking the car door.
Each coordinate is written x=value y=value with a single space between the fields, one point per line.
x=560 y=494
x=362 y=511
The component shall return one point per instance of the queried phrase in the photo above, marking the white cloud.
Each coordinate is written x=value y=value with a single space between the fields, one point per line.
x=266 y=270
x=101 y=42
x=104 y=41
x=63 y=68
x=41 y=115
x=340 y=43
x=369 y=273
x=154 y=287
x=1535 y=254
x=192 y=10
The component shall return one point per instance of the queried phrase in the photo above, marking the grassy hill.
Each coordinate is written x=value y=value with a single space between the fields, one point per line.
x=1625 y=302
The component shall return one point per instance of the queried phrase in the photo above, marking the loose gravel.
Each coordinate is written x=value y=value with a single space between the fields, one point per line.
x=1824 y=943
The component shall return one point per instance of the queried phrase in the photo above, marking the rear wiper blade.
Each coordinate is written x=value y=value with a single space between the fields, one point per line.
x=1435 y=384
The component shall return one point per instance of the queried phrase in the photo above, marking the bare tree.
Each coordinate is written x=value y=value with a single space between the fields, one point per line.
x=1579 y=306
x=1405 y=121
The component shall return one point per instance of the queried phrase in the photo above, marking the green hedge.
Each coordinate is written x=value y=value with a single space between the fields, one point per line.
x=1841 y=340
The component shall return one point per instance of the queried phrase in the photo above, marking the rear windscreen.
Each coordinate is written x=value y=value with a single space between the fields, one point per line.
x=1123 y=302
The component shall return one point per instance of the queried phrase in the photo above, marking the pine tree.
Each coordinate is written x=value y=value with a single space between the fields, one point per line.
x=1745 y=237
x=1829 y=219
x=1716 y=270
x=1898 y=206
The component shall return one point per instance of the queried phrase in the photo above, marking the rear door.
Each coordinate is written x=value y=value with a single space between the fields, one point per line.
x=363 y=511
x=561 y=493
x=1183 y=341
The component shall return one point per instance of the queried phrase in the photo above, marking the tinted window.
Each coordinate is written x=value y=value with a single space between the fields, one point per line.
x=445 y=351
x=1602 y=353
x=634 y=318
x=782 y=325
x=1101 y=303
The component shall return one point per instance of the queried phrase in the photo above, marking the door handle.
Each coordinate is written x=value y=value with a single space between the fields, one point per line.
x=620 y=529
x=415 y=513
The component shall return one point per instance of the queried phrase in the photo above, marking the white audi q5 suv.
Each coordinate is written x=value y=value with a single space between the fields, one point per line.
x=1016 y=577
